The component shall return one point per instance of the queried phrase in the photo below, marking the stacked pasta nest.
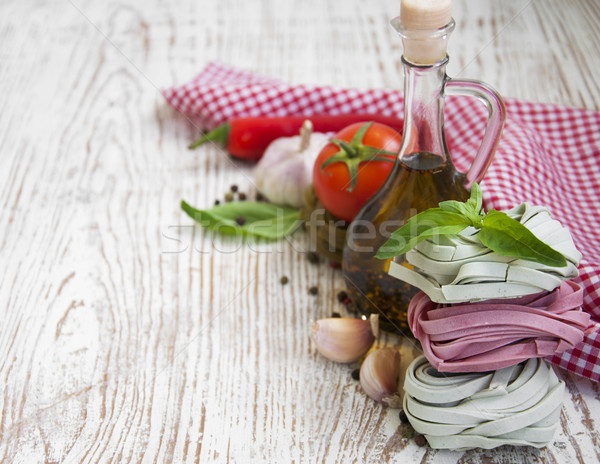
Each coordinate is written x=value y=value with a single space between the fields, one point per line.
x=484 y=322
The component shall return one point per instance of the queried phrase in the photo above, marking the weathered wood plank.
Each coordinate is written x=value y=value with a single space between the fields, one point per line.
x=128 y=335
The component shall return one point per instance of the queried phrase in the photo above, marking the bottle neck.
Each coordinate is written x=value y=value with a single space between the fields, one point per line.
x=424 y=112
x=424 y=61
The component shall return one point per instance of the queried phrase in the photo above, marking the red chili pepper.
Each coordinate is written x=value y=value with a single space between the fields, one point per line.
x=248 y=138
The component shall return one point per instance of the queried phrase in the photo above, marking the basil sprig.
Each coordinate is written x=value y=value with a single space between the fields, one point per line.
x=497 y=231
x=247 y=218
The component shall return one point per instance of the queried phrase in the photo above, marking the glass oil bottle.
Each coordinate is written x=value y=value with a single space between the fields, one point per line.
x=423 y=173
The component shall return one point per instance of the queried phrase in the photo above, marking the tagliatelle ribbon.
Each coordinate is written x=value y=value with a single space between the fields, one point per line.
x=476 y=337
x=518 y=405
x=459 y=268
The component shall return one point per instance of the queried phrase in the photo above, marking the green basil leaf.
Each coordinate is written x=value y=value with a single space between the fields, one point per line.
x=476 y=200
x=430 y=223
x=457 y=207
x=508 y=237
x=263 y=220
x=471 y=208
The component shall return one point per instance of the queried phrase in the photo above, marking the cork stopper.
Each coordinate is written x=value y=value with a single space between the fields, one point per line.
x=425 y=14
x=425 y=26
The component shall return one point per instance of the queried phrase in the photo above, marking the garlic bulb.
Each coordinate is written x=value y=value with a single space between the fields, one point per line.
x=285 y=170
x=345 y=339
x=379 y=376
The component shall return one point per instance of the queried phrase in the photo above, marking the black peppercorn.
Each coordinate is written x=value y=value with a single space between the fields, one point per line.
x=334 y=314
x=233 y=188
x=240 y=220
x=284 y=280
x=312 y=257
x=341 y=296
x=313 y=290
x=356 y=374
x=403 y=418
x=420 y=440
x=242 y=196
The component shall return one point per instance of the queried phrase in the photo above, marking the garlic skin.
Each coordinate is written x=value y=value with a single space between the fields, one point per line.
x=285 y=170
x=379 y=376
x=345 y=339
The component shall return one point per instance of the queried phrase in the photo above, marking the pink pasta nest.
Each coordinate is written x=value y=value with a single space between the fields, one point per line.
x=492 y=334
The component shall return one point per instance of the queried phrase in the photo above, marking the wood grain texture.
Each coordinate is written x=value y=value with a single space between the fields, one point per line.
x=127 y=334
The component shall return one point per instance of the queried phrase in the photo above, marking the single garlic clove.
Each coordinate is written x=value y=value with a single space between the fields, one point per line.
x=345 y=339
x=379 y=376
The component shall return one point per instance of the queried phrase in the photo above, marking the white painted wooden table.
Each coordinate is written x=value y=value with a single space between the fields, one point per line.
x=128 y=335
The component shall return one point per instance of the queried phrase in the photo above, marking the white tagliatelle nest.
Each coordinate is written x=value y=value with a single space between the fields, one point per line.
x=518 y=405
x=459 y=268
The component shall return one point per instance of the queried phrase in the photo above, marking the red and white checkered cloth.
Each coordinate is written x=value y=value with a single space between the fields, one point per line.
x=549 y=155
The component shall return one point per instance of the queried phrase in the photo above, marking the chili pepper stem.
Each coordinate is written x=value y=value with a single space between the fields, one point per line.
x=305 y=133
x=219 y=135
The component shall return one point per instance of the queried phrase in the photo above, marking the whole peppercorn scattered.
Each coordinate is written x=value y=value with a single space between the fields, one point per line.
x=233 y=188
x=313 y=290
x=229 y=197
x=260 y=196
x=312 y=257
x=420 y=440
x=342 y=296
x=217 y=202
x=284 y=280
x=403 y=418
x=334 y=314
x=242 y=196
x=356 y=374
x=240 y=220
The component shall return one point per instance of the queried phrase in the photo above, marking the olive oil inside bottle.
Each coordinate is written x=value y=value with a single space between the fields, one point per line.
x=418 y=181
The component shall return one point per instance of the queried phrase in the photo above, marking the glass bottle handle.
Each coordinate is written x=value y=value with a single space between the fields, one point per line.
x=496 y=117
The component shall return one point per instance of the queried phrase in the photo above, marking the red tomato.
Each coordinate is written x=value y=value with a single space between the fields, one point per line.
x=358 y=168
